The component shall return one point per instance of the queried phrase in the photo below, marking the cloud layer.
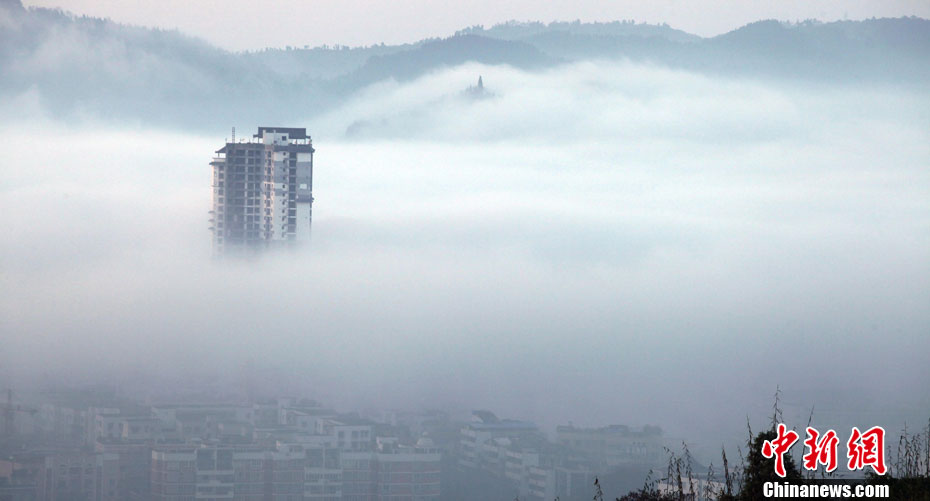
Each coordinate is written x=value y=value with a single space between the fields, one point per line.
x=598 y=243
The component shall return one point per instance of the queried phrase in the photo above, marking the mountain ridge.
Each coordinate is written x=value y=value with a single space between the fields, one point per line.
x=79 y=65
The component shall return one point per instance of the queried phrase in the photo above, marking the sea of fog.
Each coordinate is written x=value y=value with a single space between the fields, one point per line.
x=599 y=243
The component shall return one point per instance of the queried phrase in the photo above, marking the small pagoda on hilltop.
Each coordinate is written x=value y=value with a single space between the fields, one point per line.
x=478 y=91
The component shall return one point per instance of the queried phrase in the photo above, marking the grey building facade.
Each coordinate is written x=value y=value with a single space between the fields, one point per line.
x=262 y=190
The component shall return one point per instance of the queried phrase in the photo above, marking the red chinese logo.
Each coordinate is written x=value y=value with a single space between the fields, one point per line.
x=867 y=449
x=822 y=451
x=863 y=449
x=779 y=446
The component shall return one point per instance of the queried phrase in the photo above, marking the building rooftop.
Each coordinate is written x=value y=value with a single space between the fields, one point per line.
x=292 y=132
x=503 y=425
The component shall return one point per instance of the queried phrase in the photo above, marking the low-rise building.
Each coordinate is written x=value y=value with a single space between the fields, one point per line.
x=615 y=445
x=352 y=434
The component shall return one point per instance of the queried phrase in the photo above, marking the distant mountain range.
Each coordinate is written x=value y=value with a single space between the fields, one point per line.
x=82 y=66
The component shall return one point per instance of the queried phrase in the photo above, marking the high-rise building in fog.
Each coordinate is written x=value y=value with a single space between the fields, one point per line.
x=262 y=189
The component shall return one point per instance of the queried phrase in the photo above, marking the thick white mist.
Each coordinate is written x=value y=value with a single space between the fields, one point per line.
x=599 y=243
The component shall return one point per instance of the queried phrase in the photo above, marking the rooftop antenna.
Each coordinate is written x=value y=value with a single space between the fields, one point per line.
x=233 y=135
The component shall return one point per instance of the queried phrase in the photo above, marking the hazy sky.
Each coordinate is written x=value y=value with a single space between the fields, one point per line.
x=245 y=24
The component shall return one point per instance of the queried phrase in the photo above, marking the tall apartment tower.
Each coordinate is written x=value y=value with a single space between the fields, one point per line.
x=262 y=190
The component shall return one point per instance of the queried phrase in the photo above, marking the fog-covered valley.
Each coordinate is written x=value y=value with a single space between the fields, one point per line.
x=631 y=236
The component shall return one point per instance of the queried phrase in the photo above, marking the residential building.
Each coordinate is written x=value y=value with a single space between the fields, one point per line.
x=352 y=434
x=78 y=474
x=262 y=190
x=615 y=445
x=393 y=472
x=483 y=439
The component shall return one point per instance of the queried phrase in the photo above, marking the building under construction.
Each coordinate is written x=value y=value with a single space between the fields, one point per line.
x=262 y=190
